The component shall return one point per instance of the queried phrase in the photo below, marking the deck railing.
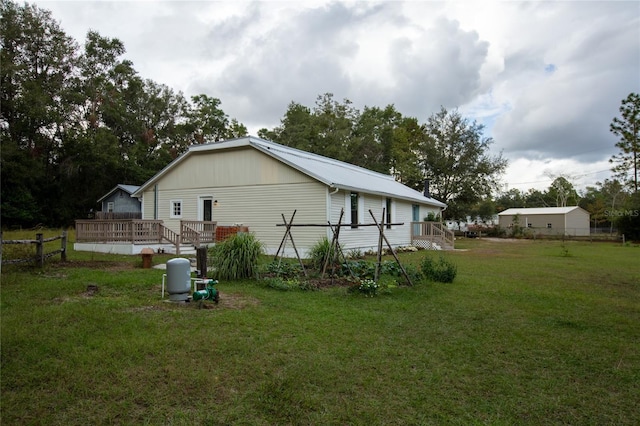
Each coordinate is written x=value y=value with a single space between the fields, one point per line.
x=432 y=235
x=135 y=231
x=138 y=231
x=117 y=215
x=198 y=232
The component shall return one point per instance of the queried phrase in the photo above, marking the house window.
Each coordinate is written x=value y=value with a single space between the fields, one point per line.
x=529 y=225
x=387 y=213
x=548 y=226
x=176 y=209
x=110 y=206
x=355 y=200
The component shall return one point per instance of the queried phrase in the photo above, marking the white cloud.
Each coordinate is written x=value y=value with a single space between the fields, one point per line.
x=545 y=78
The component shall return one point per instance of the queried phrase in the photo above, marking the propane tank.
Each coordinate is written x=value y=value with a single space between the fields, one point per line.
x=209 y=293
x=178 y=279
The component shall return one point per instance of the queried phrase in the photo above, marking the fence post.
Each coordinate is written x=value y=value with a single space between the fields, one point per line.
x=63 y=244
x=39 y=250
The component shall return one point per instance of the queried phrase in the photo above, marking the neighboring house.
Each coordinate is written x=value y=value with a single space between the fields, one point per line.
x=255 y=183
x=548 y=220
x=118 y=203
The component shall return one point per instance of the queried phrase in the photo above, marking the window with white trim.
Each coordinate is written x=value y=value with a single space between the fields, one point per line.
x=175 y=209
x=548 y=226
x=110 y=206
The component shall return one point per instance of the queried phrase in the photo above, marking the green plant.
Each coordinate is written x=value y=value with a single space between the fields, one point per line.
x=432 y=217
x=236 y=257
x=355 y=254
x=320 y=252
x=368 y=287
x=442 y=271
x=358 y=268
x=564 y=250
x=283 y=269
x=281 y=284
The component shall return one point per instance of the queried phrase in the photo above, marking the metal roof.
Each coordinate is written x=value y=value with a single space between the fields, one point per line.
x=333 y=173
x=130 y=189
x=538 y=210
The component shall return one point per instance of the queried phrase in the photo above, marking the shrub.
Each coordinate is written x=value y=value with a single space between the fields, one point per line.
x=320 y=252
x=288 y=284
x=284 y=269
x=359 y=268
x=282 y=284
x=368 y=287
x=237 y=257
x=442 y=271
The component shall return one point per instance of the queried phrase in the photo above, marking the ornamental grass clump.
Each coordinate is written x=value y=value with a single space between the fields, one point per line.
x=236 y=258
x=320 y=252
x=442 y=271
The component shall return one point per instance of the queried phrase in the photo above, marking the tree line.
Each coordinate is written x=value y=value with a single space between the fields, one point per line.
x=77 y=121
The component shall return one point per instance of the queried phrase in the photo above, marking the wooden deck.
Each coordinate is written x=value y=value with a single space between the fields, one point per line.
x=139 y=231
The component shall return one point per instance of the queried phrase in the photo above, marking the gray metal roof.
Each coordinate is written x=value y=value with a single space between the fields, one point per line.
x=333 y=173
x=538 y=210
x=130 y=189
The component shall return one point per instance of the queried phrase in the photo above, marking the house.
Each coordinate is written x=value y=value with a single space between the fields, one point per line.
x=259 y=184
x=572 y=221
x=118 y=203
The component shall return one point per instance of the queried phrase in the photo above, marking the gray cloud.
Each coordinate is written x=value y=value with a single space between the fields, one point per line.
x=546 y=78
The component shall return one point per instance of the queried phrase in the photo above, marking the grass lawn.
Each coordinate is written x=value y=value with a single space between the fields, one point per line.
x=530 y=332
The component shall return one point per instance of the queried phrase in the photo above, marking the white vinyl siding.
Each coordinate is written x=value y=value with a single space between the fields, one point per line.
x=234 y=168
x=258 y=207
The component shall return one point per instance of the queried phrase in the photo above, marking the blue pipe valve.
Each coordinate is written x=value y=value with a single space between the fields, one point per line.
x=208 y=293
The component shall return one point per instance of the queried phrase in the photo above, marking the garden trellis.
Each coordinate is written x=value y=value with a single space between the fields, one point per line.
x=335 y=247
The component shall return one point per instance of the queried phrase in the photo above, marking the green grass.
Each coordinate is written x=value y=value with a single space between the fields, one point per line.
x=529 y=332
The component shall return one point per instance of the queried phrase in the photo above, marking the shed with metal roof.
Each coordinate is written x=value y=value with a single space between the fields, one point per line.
x=573 y=220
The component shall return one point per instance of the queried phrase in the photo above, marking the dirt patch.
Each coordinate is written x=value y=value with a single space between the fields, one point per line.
x=330 y=282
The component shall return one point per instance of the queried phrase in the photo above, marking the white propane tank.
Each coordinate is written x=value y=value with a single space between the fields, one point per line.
x=178 y=279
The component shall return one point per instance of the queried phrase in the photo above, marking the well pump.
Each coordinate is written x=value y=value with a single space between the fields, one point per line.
x=209 y=292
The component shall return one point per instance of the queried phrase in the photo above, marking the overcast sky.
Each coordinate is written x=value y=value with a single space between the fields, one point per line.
x=545 y=78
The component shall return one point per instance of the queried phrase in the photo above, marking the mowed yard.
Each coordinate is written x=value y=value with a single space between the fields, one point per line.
x=530 y=332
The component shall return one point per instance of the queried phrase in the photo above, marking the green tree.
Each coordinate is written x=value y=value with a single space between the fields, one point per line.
x=327 y=129
x=563 y=192
x=455 y=158
x=603 y=201
x=536 y=198
x=209 y=123
x=628 y=219
x=509 y=199
x=297 y=128
x=37 y=59
x=627 y=129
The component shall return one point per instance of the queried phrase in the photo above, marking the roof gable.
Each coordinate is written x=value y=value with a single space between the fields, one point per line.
x=333 y=173
x=129 y=189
